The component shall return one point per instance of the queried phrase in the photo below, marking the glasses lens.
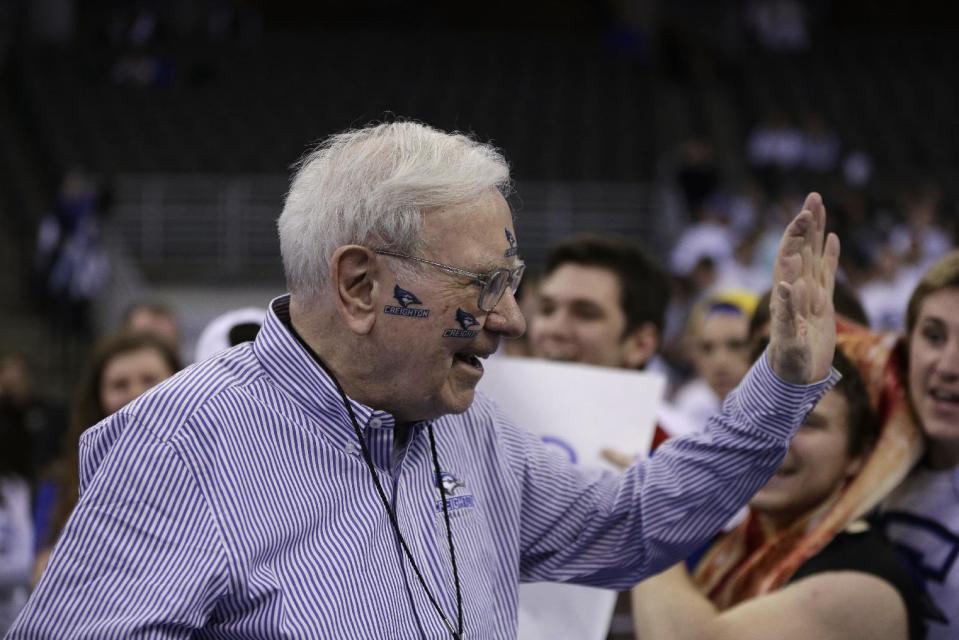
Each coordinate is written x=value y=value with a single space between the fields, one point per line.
x=517 y=277
x=494 y=289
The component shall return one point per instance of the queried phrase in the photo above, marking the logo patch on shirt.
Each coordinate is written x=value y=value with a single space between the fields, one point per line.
x=451 y=485
x=467 y=321
x=511 y=239
x=406 y=299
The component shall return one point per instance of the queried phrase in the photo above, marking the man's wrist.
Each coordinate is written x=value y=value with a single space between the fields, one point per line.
x=774 y=405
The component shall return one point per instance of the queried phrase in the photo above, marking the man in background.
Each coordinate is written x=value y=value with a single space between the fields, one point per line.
x=603 y=302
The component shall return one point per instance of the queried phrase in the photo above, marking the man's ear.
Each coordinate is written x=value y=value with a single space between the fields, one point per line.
x=640 y=345
x=353 y=274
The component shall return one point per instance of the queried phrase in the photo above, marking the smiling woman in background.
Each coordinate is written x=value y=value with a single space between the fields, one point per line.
x=764 y=579
x=922 y=515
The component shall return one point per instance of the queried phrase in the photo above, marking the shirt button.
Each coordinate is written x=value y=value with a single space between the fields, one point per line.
x=376 y=423
x=352 y=448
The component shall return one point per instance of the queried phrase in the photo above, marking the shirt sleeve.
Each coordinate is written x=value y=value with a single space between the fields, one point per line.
x=608 y=530
x=140 y=557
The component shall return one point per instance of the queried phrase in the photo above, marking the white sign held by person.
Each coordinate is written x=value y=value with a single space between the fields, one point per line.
x=579 y=410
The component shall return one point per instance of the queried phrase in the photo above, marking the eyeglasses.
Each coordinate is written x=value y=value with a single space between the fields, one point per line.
x=492 y=285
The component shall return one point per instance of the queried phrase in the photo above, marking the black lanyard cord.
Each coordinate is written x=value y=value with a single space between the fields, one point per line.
x=449 y=534
x=457 y=632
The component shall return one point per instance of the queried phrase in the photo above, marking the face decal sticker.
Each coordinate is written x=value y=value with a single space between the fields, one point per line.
x=467 y=321
x=406 y=308
x=511 y=239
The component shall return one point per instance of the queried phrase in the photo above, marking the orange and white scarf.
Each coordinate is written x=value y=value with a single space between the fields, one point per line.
x=747 y=561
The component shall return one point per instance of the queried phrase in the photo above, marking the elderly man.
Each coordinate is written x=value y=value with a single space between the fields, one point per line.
x=337 y=478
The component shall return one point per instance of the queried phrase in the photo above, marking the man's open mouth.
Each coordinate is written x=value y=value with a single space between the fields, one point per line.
x=470 y=359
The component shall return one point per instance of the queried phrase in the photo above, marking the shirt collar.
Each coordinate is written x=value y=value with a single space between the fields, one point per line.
x=300 y=376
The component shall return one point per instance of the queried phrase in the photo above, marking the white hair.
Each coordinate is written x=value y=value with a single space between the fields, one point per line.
x=374 y=184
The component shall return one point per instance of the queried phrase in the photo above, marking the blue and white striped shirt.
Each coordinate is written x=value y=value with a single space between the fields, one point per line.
x=232 y=502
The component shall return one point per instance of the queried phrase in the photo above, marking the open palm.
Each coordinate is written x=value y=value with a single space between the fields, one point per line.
x=803 y=327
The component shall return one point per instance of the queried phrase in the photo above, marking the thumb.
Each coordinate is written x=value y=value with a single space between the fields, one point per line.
x=617 y=458
x=783 y=312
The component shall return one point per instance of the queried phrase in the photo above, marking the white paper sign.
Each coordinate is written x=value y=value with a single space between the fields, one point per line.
x=580 y=410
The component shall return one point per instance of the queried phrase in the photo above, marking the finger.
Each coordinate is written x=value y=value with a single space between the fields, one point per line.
x=815 y=236
x=810 y=265
x=782 y=314
x=793 y=240
x=617 y=458
x=817 y=231
x=830 y=264
x=788 y=269
x=789 y=349
x=795 y=299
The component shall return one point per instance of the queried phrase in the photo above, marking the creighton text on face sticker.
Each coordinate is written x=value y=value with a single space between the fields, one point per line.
x=467 y=321
x=511 y=239
x=407 y=307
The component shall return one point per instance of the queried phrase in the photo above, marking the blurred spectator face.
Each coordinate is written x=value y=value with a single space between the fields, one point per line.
x=580 y=319
x=934 y=371
x=703 y=275
x=816 y=466
x=128 y=374
x=15 y=382
x=159 y=324
x=721 y=354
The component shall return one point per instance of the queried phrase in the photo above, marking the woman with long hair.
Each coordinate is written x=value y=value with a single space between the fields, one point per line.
x=120 y=368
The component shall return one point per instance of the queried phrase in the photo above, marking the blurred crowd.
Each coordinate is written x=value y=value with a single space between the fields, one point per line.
x=870 y=484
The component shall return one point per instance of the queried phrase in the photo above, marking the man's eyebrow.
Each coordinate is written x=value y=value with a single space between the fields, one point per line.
x=486 y=267
x=490 y=266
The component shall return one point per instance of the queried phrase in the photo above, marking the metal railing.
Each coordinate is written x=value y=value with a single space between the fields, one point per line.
x=211 y=228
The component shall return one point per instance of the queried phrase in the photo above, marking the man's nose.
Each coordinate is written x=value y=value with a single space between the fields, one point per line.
x=506 y=317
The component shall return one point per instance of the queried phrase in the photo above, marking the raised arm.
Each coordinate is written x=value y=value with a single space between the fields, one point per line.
x=661 y=509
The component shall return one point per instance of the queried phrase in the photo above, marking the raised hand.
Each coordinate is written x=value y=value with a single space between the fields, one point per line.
x=802 y=331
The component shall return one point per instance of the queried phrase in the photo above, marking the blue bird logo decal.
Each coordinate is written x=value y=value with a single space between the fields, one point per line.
x=404 y=297
x=466 y=320
x=511 y=239
x=449 y=482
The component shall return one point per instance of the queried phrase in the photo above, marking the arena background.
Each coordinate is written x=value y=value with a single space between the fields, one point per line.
x=179 y=122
